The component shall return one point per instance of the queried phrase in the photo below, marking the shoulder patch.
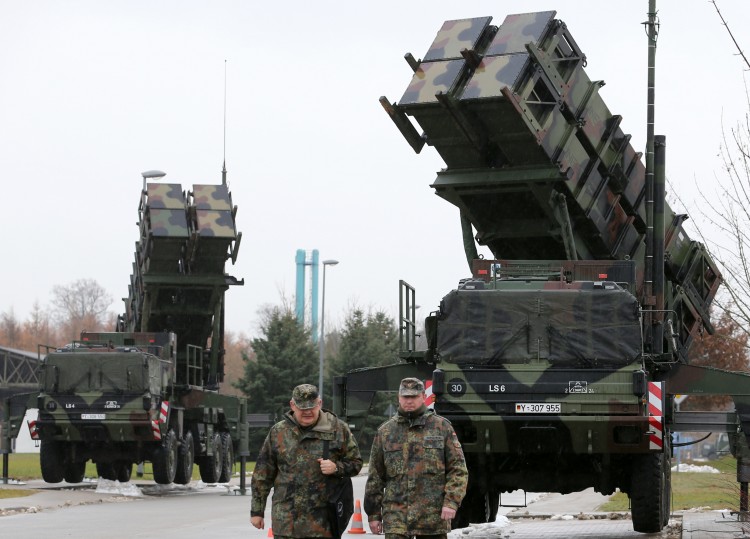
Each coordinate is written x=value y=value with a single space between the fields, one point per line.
x=455 y=441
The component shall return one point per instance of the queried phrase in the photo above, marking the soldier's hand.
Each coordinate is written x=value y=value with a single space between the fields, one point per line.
x=447 y=513
x=327 y=467
x=257 y=522
x=376 y=526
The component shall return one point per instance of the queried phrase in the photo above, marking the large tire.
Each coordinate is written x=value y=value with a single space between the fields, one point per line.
x=493 y=499
x=52 y=461
x=227 y=458
x=185 y=460
x=74 y=471
x=211 y=465
x=476 y=508
x=164 y=460
x=123 y=470
x=106 y=470
x=649 y=492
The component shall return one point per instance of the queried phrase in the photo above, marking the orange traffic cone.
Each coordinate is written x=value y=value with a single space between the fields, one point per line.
x=270 y=532
x=357 y=526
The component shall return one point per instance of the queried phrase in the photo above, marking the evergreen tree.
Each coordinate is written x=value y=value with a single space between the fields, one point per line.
x=368 y=341
x=284 y=358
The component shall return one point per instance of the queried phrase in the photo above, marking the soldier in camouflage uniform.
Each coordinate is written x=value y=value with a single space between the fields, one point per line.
x=418 y=474
x=291 y=461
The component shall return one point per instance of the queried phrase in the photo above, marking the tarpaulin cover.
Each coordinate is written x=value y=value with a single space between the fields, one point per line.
x=83 y=372
x=594 y=327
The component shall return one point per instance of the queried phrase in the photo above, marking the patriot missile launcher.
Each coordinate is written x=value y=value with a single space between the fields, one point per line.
x=149 y=390
x=557 y=360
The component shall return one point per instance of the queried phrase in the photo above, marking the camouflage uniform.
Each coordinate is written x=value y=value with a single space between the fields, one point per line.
x=416 y=467
x=288 y=462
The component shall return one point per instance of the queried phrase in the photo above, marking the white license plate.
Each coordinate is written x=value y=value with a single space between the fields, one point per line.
x=537 y=407
x=98 y=417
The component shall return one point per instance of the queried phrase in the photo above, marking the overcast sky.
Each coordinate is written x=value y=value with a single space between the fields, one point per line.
x=94 y=92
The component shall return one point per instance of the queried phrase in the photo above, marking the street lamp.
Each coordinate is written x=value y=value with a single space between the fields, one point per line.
x=321 y=341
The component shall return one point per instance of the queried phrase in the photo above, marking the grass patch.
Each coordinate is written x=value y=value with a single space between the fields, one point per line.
x=15 y=492
x=692 y=490
x=25 y=467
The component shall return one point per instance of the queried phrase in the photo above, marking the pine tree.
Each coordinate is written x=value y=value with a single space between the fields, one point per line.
x=368 y=341
x=284 y=358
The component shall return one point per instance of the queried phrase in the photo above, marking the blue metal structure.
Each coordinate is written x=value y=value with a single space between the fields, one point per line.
x=302 y=260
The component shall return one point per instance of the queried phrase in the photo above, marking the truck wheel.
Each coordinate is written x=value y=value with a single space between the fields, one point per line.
x=74 y=472
x=210 y=465
x=493 y=497
x=51 y=461
x=106 y=470
x=227 y=457
x=667 y=499
x=164 y=461
x=475 y=508
x=123 y=470
x=649 y=497
x=185 y=459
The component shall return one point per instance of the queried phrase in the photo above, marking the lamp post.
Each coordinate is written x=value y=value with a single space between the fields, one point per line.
x=321 y=341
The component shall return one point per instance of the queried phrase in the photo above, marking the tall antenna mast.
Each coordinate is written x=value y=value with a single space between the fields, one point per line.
x=224 y=164
x=654 y=256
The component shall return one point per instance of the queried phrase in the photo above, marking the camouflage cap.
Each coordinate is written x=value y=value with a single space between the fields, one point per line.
x=305 y=396
x=410 y=387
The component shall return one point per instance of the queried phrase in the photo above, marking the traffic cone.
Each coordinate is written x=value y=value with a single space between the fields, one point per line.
x=357 y=526
x=270 y=532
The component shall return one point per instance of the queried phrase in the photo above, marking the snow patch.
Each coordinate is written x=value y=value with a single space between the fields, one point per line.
x=488 y=529
x=694 y=469
x=105 y=486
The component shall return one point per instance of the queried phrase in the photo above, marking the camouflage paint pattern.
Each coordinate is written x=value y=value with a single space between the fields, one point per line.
x=179 y=276
x=135 y=394
x=518 y=30
x=430 y=79
x=287 y=463
x=454 y=36
x=493 y=74
x=166 y=196
x=533 y=122
x=168 y=223
x=416 y=467
x=102 y=397
x=217 y=224
x=211 y=197
x=543 y=362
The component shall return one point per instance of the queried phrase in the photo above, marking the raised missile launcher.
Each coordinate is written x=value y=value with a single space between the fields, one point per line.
x=557 y=361
x=149 y=390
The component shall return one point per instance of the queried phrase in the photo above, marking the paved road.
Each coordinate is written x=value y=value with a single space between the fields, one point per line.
x=199 y=511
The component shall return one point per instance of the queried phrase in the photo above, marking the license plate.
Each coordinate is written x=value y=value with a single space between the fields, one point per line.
x=94 y=416
x=537 y=407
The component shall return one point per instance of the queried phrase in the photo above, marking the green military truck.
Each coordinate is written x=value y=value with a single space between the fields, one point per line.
x=557 y=360
x=149 y=391
x=112 y=398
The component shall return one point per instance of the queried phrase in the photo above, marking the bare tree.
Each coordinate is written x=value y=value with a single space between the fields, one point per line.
x=81 y=305
x=10 y=329
x=37 y=328
x=730 y=216
x=238 y=349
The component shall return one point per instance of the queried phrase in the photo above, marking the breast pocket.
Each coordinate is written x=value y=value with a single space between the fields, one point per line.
x=395 y=464
x=433 y=454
